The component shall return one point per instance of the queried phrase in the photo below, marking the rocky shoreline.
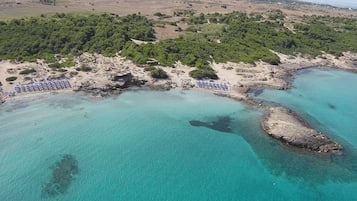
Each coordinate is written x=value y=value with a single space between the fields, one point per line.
x=112 y=76
x=289 y=128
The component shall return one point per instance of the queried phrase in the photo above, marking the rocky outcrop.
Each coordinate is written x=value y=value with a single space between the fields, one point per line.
x=109 y=87
x=122 y=77
x=286 y=126
x=2 y=99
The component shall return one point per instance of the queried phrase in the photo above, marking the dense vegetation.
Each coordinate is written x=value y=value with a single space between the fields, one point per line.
x=238 y=37
x=235 y=37
x=333 y=35
x=42 y=37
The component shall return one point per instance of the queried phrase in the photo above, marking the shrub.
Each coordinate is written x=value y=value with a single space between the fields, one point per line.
x=204 y=73
x=149 y=68
x=48 y=58
x=173 y=24
x=10 y=79
x=68 y=64
x=158 y=14
x=55 y=65
x=27 y=71
x=276 y=15
x=84 y=68
x=273 y=59
x=159 y=73
x=62 y=70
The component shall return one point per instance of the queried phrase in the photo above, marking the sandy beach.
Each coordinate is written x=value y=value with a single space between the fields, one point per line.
x=239 y=76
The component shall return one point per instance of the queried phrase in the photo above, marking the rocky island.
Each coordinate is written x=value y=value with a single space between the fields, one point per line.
x=287 y=127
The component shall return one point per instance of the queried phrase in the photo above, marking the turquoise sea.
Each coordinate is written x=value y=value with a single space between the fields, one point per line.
x=176 y=145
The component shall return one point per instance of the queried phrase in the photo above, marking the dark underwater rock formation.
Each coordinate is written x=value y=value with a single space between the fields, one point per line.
x=331 y=106
x=288 y=127
x=222 y=124
x=62 y=176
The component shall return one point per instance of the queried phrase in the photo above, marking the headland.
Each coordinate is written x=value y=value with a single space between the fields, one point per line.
x=287 y=127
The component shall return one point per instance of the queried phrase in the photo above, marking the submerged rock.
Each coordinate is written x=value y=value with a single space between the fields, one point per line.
x=62 y=175
x=331 y=106
x=222 y=124
x=288 y=127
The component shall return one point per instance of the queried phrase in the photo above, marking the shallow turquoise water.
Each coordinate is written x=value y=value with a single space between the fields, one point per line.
x=327 y=98
x=141 y=146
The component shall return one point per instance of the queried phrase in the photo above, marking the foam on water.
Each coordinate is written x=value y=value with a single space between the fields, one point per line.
x=141 y=146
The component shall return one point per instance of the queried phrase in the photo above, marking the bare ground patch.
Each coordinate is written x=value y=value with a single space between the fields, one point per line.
x=19 y=8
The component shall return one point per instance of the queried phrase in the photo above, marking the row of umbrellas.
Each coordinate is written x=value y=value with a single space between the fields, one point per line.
x=212 y=85
x=43 y=86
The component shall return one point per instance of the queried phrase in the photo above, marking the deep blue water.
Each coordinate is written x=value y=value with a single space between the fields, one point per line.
x=141 y=146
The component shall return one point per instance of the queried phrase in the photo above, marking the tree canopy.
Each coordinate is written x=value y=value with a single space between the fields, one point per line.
x=42 y=37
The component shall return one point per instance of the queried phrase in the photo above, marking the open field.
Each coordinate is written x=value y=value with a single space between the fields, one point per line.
x=19 y=8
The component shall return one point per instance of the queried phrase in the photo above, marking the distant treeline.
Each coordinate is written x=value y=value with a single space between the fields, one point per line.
x=235 y=37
